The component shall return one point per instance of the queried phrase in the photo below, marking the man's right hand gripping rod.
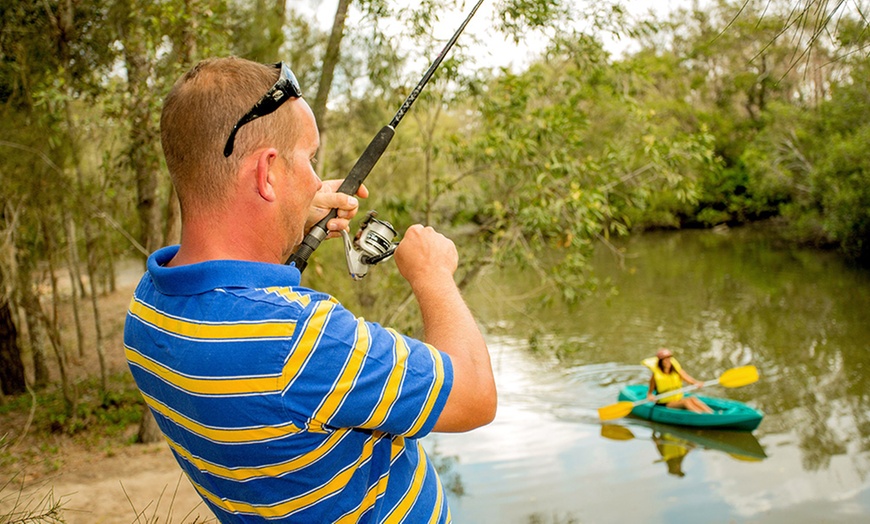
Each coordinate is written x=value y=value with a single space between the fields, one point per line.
x=370 y=156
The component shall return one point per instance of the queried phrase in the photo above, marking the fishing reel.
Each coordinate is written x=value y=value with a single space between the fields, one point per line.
x=372 y=244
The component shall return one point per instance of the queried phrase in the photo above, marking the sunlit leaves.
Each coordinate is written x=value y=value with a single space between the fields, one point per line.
x=519 y=16
x=568 y=159
x=519 y=19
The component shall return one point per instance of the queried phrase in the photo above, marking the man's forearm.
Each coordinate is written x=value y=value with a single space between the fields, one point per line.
x=450 y=327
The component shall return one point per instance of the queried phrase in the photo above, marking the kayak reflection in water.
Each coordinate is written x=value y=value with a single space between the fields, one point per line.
x=668 y=375
x=673 y=451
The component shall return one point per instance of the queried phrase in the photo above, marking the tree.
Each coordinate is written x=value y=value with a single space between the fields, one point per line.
x=41 y=84
x=564 y=155
x=11 y=366
x=330 y=61
x=259 y=29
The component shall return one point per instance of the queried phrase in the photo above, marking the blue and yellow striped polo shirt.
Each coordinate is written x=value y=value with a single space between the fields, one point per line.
x=278 y=403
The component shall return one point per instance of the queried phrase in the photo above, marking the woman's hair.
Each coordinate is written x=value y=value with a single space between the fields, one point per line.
x=662 y=354
x=198 y=115
x=661 y=367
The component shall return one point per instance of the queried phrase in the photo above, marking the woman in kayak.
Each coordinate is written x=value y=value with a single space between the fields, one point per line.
x=668 y=375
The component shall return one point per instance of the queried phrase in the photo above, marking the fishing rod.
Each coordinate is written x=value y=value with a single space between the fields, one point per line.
x=373 y=243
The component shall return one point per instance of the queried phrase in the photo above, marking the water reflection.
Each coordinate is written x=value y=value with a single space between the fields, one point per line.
x=543 y=518
x=672 y=450
x=446 y=466
x=721 y=302
x=673 y=443
x=740 y=445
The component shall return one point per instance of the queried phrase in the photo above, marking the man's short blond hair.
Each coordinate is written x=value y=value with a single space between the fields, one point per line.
x=198 y=115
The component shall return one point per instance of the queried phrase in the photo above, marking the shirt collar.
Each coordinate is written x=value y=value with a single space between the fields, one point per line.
x=205 y=276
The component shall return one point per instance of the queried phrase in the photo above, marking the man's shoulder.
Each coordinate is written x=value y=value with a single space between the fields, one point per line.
x=280 y=301
x=289 y=298
x=281 y=295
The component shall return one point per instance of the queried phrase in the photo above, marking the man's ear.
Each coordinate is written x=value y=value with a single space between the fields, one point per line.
x=266 y=161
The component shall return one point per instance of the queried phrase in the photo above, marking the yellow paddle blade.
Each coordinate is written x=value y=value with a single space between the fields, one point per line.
x=616 y=432
x=614 y=411
x=736 y=377
x=745 y=458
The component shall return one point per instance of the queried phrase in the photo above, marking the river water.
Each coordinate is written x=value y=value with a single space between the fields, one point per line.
x=718 y=300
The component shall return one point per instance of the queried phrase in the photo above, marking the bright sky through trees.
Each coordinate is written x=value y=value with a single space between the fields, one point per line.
x=498 y=49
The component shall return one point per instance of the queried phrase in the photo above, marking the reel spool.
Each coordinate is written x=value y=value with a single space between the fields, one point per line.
x=372 y=244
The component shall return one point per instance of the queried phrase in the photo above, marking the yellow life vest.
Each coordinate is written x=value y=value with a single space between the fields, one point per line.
x=672 y=448
x=665 y=381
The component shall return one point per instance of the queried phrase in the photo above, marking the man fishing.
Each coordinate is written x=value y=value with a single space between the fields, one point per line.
x=277 y=402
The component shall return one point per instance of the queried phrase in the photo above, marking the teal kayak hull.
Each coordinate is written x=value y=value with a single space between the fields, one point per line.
x=728 y=414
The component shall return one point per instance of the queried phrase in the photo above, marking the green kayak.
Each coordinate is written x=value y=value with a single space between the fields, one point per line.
x=728 y=414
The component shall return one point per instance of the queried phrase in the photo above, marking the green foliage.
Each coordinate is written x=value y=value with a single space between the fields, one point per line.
x=102 y=416
x=259 y=29
x=782 y=146
x=564 y=158
x=799 y=154
x=729 y=196
x=519 y=16
x=842 y=183
x=732 y=72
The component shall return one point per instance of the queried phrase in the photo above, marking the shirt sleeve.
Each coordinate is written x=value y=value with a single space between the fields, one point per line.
x=350 y=373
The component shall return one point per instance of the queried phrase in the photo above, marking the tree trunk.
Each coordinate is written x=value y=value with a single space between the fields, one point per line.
x=66 y=35
x=428 y=123
x=143 y=137
x=149 y=431
x=69 y=394
x=12 y=380
x=143 y=160
x=188 y=33
x=268 y=17
x=51 y=323
x=98 y=330
x=330 y=61
x=30 y=304
x=187 y=46
x=11 y=366
x=35 y=332
x=111 y=281
x=74 y=277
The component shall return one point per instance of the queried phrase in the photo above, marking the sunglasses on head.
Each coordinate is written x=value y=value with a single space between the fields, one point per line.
x=285 y=87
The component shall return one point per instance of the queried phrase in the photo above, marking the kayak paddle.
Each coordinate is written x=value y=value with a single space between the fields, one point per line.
x=616 y=432
x=733 y=378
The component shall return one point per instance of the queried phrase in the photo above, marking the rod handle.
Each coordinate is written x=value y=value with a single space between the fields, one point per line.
x=349 y=186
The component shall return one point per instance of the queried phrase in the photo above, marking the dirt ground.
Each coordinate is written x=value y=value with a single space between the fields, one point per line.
x=97 y=482
x=140 y=483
